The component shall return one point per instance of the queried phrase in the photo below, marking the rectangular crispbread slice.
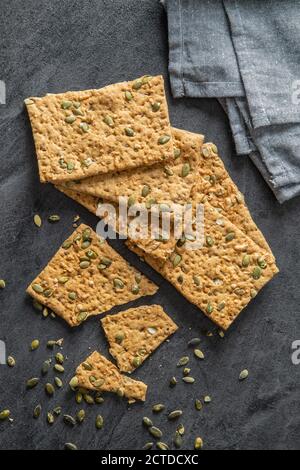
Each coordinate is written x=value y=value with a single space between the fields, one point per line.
x=87 y=277
x=99 y=374
x=135 y=333
x=224 y=275
x=167 y=183
x=84 y=133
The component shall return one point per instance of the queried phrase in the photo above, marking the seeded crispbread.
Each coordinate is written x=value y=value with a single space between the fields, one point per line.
x=135 y=333
x=99 y=374
x=87 y=277
x=162 y=183
x=215 y=186
x=221 y=277
x=83 y=133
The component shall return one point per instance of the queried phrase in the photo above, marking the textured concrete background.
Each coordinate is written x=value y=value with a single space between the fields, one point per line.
x=61 y=45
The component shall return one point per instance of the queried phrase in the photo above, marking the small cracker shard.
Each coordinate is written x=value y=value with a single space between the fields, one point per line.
x=99 y=374
x=135 y=333
x=83 y=133
x=221 y=277
x=87 y=277
x=163 y=183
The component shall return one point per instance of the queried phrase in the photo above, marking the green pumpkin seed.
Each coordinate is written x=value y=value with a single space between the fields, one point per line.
x=106 y=261
x=76 y=104
x=51 y=343
x=31 y=383
x=99 y=422
x=108 y=120
x=177 y=153
x=146 y=190
x=173 y=382
x=198 y=353
x=48 y=292
x=4 y=414
x=53 y=218
x=84 y=264
x=162 y=446
x=180 y=429
x=188 y=380
x=70 y=446
x=119 y=337
x=158 y=408
x=186 y=371
x=256 y=273
x=198 y=444
x=129 y=132
x=209 y=309
x=84 y=126
x=81 y=316
x=185 y=170
x=50 y=418
x=34 y=344
x=148 y=446
x=68 y=419
x=73 y=383
x=155 y=106
x=99 y=399
x=88 y=399
x=146 y=79
x=183 y=361
x=59 y=368
x=46 y=367
x=63 y=279
x=37 y=411
x=80 y=416
x=78 y=112
x=57 y=410
x=244 y=374
x=118 y=283
x=45 y=312
x=70 y=167
x=66 y=104
x=155 y=432
x=137 y=84
x=207 y=399
x=131 y=201
x=178 y=440
x=78 y=397
x=136 y=361
x=91 y=254
x=198 y=404
x=175 y=414
x=49 y=389
x=59 y=357
x=246 y=261
x=176 y=260
x=70 y=119
x=147 y=422
x=262 y=263
x=128 y=96
x=66 y=245
x=210 y=241
x=194 y=342
x=11 y=362
x=37 y=305
x=221 y=306
x=37 y=288
x=164 y=139
x=37 y=220
x=58 y=382
x=230 y=236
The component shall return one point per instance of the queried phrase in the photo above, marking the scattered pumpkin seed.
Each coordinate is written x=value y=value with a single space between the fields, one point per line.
x=45 y=312
x=253 y=293
x=183 y=361
x=230 y=236
x=31 y=383
x=57 y=410
x=198 y=353
x=178 y=440
x=148 y=446
x=147 y=422
x=99 y=422
x=207 y=399
x=155 y=432
x=68 y=419
x=88 y=399
x=108 y=120
x=198 y=404
x=188 y=380
x=49 y=389
x=59 y=357
x=11 y=362
x=78 y=397
x=70 y=167
x=48 y=292
x=37 y=220
x=50 y=417
x=155 y=106
x=66 y=244
x=256 y=273
x=119 y=337
x=194 y=342
x=185 y=169
x=162 y=446
x=4 y=414
x=129 y=132
x=84 y=264
x=158 y=408
x=135 y=289
x=180 y=429
x=186 y=371
x=58 y=382
x=70 y=446
x=59 y=368
x=72 y=295
x=244 y=374
x=152 y=330
x=53 y=218
x=173 y=382
x=131 y=201
x=80 y=416
x=46 y=366
x=37 y=411
x=175 y=414
x=70 y=119
x=99 y=399
x=198 y=444
x=164 y=139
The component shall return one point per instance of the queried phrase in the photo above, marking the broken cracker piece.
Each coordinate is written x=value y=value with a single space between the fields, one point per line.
x=99 y=374
x=135 y=333
x=84 y=133
x=87 y=277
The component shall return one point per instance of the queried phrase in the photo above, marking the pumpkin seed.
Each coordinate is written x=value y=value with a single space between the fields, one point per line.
x=84 y=126
x=84 y=264
x=147 y=422
x=246 y=261
x=70 y=446
x=183 y=361
x=176 y=260
x=175 y=414
x=194 y=342
x=164 y=139
x=118 y=283
x=78 y=397
x=135 y=289
x=66 y=245
x=68 y=419
x=210 y=241
x=66 y=104
x=131 y=201
x=70 y=119
x=80 y=415
x=221 y=334
x=59 y=368
x=137 y=84
x=72 y=295
x=106 y=261
x=136 y=361
x=99 y=422
x=58 y=382
x=11 y=362
x=57 y=410
x=73 y=383
x=45 y=312
x=146 y=190
x=37 y=288
x=63 y=279
x=128 y=96
x=185 y=170
x=37 y=220
x=108 y=120
x=177 y=153
x=129 y=132
x=49 y=389
x=51 y=343
x=146 y=79
x=253 y=293
x=99 y=400
x=155 y=106
x=262 y=263
x=244 y=374
x=81 y=316
x=173 y=382
x=50 y=418
x=178 y=440
x=48 y=292
x=162 y=446
x=31 y=383
x=186 y=371
x=256 y=273
x=180 y=429
x=53 y=218
x=209 y=308
x=4 y=414
x=158 y=408
x=46 y=366
x=88 y=399
x=198 y=404
x=230 y=236
x=70 y=167
x=207 y=399
x=188 y=380
x=59 y=357
x=198 y=444
x=221 y=306
x=148 y=446
x=37 y=411
x=198 y=353
x=155 y=432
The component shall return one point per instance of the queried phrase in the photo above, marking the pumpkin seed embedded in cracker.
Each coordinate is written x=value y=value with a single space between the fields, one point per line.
x=185 y=169
x=164 y=139
x=256 y=273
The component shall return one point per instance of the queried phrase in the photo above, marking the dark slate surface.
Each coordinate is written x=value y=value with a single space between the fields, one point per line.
x=61 y=45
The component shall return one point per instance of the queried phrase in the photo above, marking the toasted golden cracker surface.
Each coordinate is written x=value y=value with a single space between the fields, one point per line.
x=167 y=183
x=84 y=133
x=135 y=333
x=87 y=277
x=99 y=374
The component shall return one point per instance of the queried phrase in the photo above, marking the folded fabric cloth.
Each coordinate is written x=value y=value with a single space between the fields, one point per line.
x=246 y=55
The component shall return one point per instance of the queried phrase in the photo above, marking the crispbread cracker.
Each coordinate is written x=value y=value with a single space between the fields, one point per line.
x=212 y=277
x=99 y=374
x=160 y=249
x=164 y=183
x=135 y=333
x=110 y=132
x=215 y=186
x=87 y=277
